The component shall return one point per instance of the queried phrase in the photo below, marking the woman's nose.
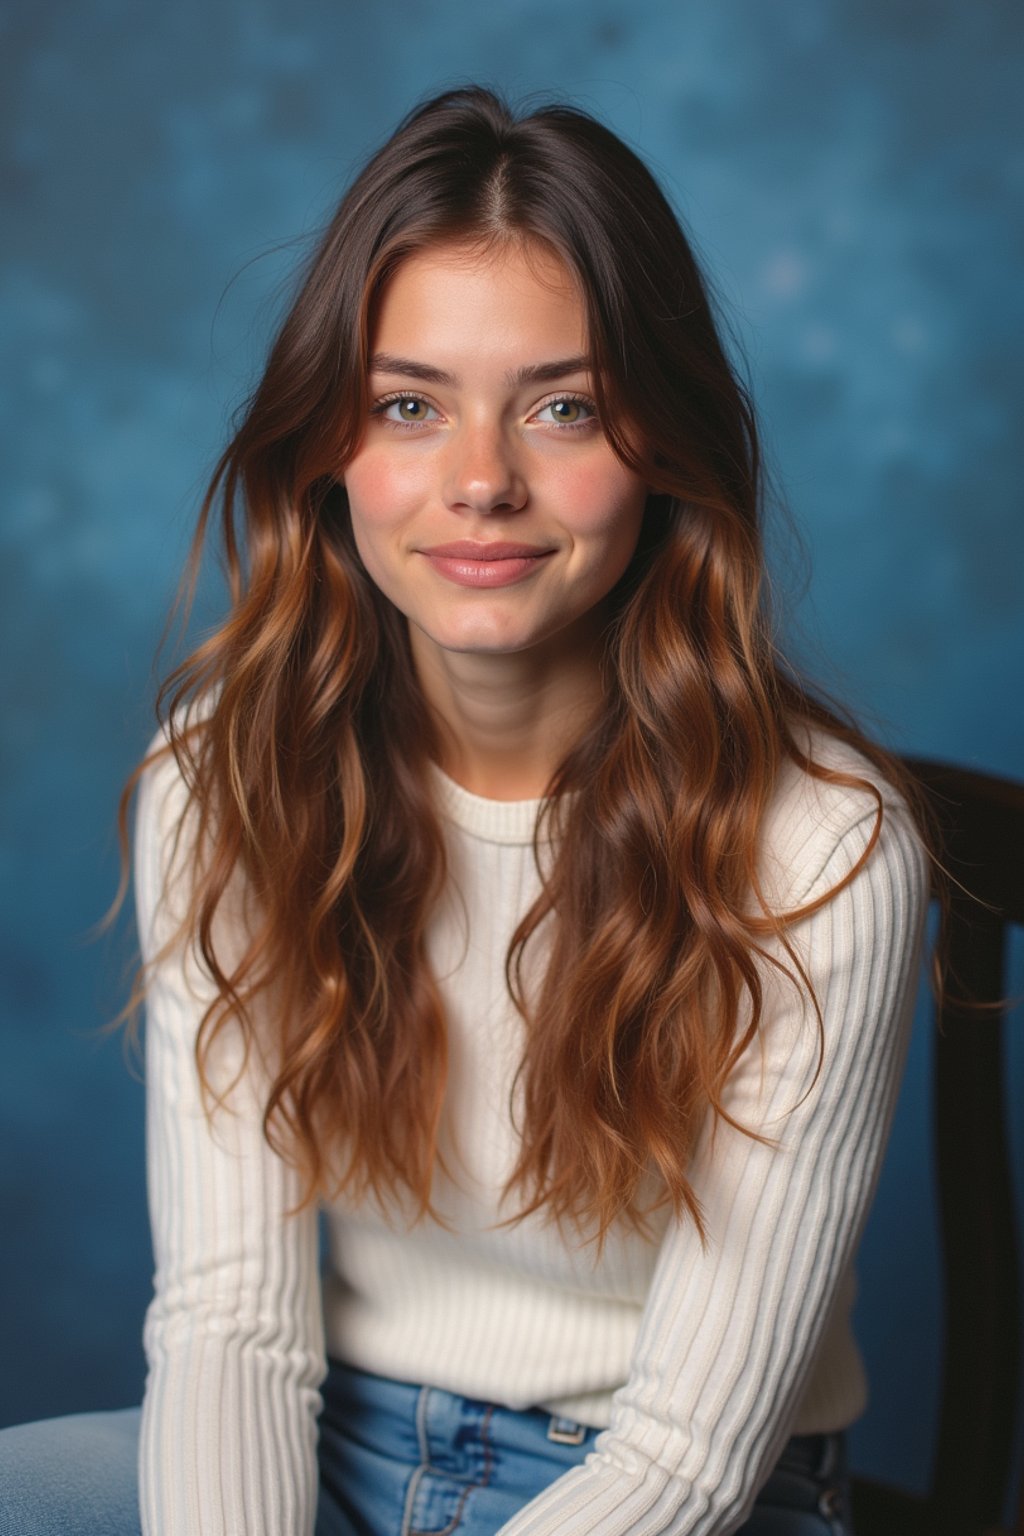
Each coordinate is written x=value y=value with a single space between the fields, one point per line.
x=482 y=473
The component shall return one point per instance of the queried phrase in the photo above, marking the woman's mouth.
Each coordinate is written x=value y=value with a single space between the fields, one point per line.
x=486 y=565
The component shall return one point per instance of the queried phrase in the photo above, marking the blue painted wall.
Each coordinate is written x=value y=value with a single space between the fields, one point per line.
x=852 y=172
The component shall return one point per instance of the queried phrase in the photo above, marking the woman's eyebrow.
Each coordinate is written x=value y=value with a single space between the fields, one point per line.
x=546 y=373
x=531 y=373
x=386 y=362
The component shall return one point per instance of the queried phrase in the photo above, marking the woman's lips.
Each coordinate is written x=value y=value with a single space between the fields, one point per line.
x=485 y=565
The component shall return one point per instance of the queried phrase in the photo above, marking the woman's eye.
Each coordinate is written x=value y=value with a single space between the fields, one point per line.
x=568 y=412
x=407 y=408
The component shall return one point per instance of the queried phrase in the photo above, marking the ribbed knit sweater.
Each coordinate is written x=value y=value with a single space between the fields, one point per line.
x=700 y=1362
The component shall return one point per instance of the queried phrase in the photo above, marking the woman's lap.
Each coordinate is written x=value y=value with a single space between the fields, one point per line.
x=395 y=1460
x=407 y=1460
x=404 y=1460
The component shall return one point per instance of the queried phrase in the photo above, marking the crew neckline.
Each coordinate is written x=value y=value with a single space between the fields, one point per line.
x=495 y=821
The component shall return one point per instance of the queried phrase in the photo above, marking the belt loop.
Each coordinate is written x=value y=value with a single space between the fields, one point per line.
x=566 y=1431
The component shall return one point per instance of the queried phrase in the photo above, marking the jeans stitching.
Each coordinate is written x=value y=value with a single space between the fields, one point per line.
x=485 y=1479
x=422 y=1437
x=424 y=1449
x=410 y=1500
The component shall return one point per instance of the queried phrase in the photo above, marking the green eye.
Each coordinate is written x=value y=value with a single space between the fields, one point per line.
x=405 y=408
x=569 y=412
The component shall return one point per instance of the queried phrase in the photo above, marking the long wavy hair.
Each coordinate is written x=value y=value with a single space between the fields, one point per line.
x=304 y=740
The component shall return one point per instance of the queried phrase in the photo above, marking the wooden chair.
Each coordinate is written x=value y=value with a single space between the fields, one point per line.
x=981 y=821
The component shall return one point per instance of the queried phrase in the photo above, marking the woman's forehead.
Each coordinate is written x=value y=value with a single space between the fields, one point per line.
x=459 y=298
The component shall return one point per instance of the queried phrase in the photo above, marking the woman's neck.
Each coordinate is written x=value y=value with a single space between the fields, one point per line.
x=507 y=720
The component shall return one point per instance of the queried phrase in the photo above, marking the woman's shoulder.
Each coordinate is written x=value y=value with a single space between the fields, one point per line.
x=164 y=795
x=811 y=820
x=165 y=816
x=164 y=789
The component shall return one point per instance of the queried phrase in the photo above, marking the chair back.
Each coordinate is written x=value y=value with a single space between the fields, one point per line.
x=980 y=819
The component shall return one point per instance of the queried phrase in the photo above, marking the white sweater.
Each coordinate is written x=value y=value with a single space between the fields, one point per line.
x=700 y=1363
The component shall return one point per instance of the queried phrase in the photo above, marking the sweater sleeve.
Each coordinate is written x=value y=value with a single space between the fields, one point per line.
x=233 y=1334
x=728 y=1334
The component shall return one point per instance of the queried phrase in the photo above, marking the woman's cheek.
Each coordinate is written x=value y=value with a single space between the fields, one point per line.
x=603 y=498
x=381 y=492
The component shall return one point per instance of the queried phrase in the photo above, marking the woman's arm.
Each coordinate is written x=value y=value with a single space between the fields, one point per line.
x=233 y=1334
x=729 y=1334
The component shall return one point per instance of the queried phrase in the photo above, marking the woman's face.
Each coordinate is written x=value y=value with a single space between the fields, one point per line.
x=487 y=503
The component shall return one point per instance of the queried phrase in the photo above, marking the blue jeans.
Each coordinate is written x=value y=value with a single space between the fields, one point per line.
x=395 y=1460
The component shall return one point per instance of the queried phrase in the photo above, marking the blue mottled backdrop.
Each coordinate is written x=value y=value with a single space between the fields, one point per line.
x=853 y=175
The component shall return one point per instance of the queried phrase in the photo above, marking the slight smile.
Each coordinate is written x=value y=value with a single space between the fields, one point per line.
x=485 y=565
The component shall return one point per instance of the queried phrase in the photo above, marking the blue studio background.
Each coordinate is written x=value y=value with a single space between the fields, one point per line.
x=852 y=171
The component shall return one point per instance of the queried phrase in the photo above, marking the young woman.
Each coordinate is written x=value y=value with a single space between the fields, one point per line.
x=505 y=895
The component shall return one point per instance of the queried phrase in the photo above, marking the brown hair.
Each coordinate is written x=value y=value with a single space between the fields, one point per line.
x=308 y=767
